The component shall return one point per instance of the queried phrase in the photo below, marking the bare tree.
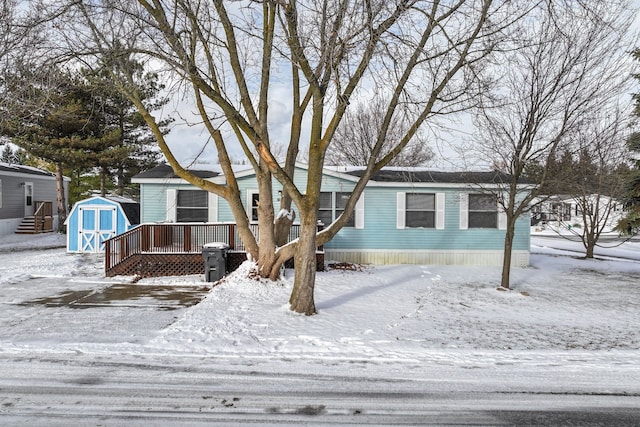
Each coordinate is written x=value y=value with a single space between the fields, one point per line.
x=23 y=50
x=423 y=54
x=596 y=176
x=356 y=136
x=572 y=60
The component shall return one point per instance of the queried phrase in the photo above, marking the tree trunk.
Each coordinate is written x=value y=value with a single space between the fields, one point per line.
x=283 y=222
x=61 y=199
x=266 y=242
x=302 y=300
x=589 y=244
x=508 y=248
x=590 y=250
x=120 y=190
x=103 y=182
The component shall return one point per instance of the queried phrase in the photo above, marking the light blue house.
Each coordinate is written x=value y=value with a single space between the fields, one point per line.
x=404 y=216
x=96 y=219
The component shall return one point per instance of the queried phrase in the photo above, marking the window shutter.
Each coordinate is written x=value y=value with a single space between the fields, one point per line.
x=502 y=218
x=464 y=211
x=359 y=220
x=439 y=211
x=401 y=209
x=172 y=205
x=213 y=207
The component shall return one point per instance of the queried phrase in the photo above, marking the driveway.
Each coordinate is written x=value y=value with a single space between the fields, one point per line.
x=79 y=305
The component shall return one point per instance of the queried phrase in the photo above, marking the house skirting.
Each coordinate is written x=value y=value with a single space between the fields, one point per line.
x=440 y=257
x=9 y=226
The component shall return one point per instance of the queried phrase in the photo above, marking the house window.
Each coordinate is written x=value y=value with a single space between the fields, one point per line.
x=192 y=206
x=254 y=197
x=325 y=211
x=332 y=205
x=420 y=210
x=483 y=211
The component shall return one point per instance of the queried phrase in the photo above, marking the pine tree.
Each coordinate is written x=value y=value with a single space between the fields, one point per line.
x=136 y=148
x=630 y=224
x=66 y=129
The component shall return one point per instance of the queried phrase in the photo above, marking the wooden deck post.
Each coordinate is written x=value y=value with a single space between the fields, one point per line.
x=232 y=236
x=186 y=238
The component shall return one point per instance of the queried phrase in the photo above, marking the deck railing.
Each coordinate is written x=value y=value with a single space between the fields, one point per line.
x=175 y=238
x=43 y=216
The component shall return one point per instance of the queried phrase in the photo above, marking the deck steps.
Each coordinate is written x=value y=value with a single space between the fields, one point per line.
x=28 y=226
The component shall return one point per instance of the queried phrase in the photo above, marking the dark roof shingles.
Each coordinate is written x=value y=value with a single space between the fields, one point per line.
x=386 y=175
x=165 y=171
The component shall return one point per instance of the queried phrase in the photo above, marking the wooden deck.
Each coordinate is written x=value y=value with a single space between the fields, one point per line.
x=40 y=222
x=175 y=249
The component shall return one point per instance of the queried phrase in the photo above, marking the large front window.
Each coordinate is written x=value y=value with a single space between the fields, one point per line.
x=420 y=210
x=192 y=206
x=483 y=211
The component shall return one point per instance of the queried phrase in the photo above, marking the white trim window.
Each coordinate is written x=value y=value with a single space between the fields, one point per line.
x=420 y=210
x=478 y=210
x=253 y=198
x=203 y=211
x=332 y=205
x=192 y=206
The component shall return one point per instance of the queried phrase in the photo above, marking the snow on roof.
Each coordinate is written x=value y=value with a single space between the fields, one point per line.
x=12 y=167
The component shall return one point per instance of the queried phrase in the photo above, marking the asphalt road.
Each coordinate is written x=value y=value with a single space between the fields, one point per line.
x=83 y=390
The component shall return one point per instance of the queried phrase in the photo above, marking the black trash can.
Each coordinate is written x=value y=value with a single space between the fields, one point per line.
x=215 y=261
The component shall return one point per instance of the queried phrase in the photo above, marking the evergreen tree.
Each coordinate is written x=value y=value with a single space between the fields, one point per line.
x=9 y=155
x=136 y=148
x=630 y=224
x=67 y=127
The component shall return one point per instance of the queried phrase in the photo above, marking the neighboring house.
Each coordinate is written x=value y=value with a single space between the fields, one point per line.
x=27 y=199
x=96 y=219
x=410 y=216
x=565 y=210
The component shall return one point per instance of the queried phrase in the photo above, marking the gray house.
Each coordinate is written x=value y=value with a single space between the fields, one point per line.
x=27 y=200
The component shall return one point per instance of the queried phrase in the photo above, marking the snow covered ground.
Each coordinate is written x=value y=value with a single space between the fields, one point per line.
x=568 y=326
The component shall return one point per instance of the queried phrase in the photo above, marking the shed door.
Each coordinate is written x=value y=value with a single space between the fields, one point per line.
x=96 y=224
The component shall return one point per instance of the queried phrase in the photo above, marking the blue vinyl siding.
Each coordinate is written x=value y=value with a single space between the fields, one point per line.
x=380 y=210
x=153 y=200
x=380 y=230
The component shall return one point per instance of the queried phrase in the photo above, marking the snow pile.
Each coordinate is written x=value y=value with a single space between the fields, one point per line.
x=561 y=305
x=400 y=312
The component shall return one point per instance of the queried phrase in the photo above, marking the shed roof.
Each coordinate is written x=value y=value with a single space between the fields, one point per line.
x=130 y=208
